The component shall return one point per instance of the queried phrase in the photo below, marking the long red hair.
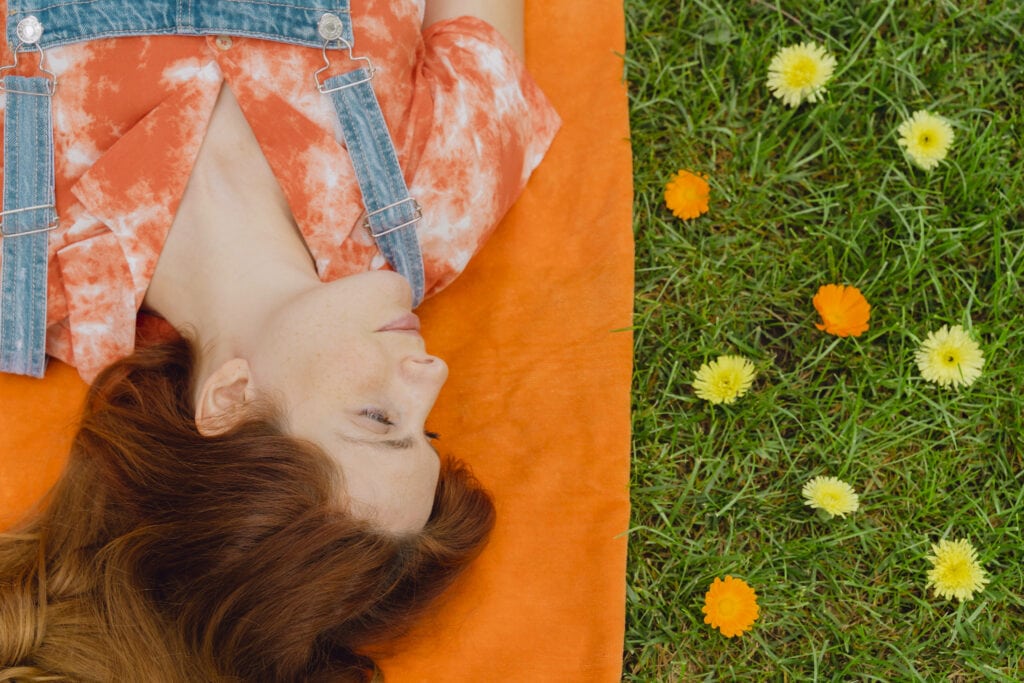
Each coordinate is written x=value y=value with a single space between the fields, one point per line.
x=164 y=555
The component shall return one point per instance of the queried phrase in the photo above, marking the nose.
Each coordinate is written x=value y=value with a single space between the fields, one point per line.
x=425 y=369
x=423 y=376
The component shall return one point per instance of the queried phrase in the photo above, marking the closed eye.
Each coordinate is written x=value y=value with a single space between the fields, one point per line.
x=381 y=417
x=377 y=416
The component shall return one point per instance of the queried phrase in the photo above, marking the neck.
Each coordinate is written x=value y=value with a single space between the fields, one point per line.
x=233 y=255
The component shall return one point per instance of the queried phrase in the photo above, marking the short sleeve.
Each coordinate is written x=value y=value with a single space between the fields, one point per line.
x=490 y=129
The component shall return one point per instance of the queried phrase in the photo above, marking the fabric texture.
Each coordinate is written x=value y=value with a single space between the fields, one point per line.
x=536 y=332
x=459 y=104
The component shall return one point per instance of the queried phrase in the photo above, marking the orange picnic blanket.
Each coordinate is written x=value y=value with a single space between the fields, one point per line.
x=536 y=333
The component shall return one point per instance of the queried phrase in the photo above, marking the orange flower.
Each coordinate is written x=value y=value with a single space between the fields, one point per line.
x=686 y=194
x=844 y=311
x=730 y=606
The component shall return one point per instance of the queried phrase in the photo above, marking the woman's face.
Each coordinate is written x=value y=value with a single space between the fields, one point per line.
x=349 y=369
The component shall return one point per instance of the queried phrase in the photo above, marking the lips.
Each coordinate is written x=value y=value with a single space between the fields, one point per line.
x=408 y=322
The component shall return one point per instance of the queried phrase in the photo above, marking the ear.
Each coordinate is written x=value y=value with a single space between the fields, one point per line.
x=222 y=397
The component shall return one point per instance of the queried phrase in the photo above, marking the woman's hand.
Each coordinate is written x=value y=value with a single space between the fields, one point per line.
x=504 y=15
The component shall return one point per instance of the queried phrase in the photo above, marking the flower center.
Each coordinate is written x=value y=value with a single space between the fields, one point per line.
x=957 y=572
x=836 y=318
x=687 y=194
x=728 y=382
x=950 y=358
x=728 y=607
x=802 y=73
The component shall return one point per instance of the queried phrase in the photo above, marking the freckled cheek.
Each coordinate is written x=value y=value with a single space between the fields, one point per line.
x=337 y=387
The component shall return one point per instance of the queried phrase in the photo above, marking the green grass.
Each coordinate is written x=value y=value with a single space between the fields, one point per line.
x=800 y=198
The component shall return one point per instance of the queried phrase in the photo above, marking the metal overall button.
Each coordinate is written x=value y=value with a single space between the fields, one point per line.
x=29 y=30
x=330 y=27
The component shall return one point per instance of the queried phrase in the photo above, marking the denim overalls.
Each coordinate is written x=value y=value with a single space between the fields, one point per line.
x=29 y=211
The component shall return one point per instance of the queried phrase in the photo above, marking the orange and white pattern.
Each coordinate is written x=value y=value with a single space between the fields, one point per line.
x=468 y=122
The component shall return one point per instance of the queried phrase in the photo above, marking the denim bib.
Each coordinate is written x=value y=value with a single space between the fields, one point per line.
x=29 y=211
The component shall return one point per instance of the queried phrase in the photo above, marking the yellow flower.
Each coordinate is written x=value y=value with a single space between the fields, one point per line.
x=725 y=379
x=730 y=606
x=799 y=72
x=686 y=195
x=844 y=311
x=949 y=357
x=955 y=571
x=831 y=495
x=926 y=137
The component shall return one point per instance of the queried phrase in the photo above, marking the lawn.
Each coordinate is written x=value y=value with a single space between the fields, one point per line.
x=802 y=197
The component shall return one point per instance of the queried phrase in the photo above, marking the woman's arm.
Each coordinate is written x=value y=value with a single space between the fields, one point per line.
x=504 y=15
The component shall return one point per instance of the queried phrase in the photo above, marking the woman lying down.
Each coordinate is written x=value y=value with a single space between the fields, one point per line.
x=254 y=498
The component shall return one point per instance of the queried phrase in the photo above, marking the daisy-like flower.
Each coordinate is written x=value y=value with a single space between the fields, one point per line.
x=956 y=572
x=832 y=495
x=844 y=311
x=799 y=72
x=949 y=357
x=926 y=138
x=724 y=379
x=686 y=195
x=730 y=606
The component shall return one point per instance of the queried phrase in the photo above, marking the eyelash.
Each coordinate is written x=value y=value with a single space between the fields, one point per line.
x=378 y=416
x=382 y=417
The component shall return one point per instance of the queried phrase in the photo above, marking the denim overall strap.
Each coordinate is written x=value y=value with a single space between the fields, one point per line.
x=28 y=216
x=391 y=214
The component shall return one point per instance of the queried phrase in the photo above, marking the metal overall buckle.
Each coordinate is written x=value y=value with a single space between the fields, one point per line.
x=33 y=231
x=330 y=28
x=29 y=31
x=417 y=215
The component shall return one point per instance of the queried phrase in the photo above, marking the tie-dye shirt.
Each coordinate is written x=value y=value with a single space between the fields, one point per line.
x=467 y=120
